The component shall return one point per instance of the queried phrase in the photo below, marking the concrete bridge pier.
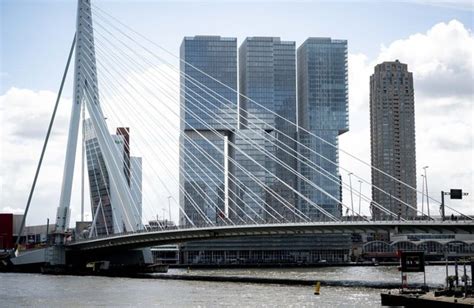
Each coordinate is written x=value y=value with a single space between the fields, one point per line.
x=59 y=259
x=110 y=261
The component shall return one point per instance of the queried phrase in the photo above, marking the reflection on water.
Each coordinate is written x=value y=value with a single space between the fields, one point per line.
x=44 y=290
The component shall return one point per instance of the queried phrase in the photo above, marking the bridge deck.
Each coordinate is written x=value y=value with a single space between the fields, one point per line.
x=153 y=238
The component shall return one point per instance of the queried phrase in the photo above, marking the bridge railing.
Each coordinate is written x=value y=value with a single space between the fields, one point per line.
x=393 y=223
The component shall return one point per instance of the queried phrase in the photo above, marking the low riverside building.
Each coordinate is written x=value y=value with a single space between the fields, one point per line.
x=165 y=254
x=9 y=229
x=435 y=246
x=264 y=250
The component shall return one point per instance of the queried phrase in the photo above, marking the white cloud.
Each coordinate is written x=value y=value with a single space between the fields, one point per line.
x=11 y=210
x=154 y=122
x=25 y=117
x=154 y=136
x=442 y=59
x=443 y=70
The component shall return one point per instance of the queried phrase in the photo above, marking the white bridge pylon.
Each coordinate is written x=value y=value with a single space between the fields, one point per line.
x=123 y=206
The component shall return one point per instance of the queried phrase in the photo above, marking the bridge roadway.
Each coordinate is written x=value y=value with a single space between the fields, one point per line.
x=155 y=238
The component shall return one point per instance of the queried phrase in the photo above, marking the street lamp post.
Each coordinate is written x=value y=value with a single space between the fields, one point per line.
x=422 y=197
x=169 y=206
x=426 y=187
x=352 y=200
x=360 y=194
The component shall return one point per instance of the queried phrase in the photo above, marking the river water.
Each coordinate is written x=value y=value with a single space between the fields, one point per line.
x=73 y=291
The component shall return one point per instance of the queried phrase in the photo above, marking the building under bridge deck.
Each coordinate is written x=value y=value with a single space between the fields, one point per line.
x=278 y=249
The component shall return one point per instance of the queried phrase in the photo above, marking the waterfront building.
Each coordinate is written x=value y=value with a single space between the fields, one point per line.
x=104 y=196
x=262 y=250
x=323 y=114
x=208 y=114
x=165 y=254
x=392 y=140
x=267 y=84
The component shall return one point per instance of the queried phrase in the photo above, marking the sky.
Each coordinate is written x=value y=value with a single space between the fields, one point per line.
x=434 y=38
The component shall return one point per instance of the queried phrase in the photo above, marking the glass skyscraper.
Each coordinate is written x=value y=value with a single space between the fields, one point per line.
x=208 y=120
x=267 y=77
x=323 y=111
x=263 y=135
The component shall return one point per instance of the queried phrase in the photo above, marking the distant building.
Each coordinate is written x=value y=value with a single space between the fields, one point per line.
x=108 y=213
x=322 y=112
x=31 y=236
x=207 y=124
x=136 y=185
x=9 y=229
x=160 y=224
x=267 y=83
x=392 y=139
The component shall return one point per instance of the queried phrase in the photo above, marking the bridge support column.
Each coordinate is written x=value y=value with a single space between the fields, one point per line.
x=113 y=261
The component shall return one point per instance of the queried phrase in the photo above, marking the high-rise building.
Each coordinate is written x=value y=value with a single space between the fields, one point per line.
x=267 y=109
x=106 y=208
x=136 y=188
x=208 y=119
x=392 y=139
x=323 y=114
x=267 y=84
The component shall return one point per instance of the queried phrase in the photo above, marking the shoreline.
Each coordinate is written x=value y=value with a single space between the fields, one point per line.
x=286 y=281
x=294 y=265
x=247 y=279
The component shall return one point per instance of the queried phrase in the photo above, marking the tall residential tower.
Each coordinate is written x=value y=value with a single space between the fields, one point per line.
x=392 y=139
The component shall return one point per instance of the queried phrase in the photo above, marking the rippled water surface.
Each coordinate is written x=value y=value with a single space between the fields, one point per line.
x=435 y=275
x=73 y=291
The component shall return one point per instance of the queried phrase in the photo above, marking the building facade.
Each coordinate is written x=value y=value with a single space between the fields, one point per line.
x=323 y=117
x=208 y=113
x=267 y=84
x=282 y=250
x=392 y=140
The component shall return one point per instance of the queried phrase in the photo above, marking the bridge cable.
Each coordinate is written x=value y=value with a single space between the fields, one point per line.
x=178 y=182
x=128 y=169
x=231 y=199
x=323 y=140
x=190 y=139
x=101 y=11
x=295 y=157
x=45 y=144
x=336 y=164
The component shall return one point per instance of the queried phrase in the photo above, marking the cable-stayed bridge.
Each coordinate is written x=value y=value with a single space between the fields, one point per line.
x=162 y=237
x=120 y=79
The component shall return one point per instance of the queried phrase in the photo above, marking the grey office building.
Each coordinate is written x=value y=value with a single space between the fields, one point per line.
x=208 y=120
x=267 y=83
x=392 y=139
x=323 y=114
